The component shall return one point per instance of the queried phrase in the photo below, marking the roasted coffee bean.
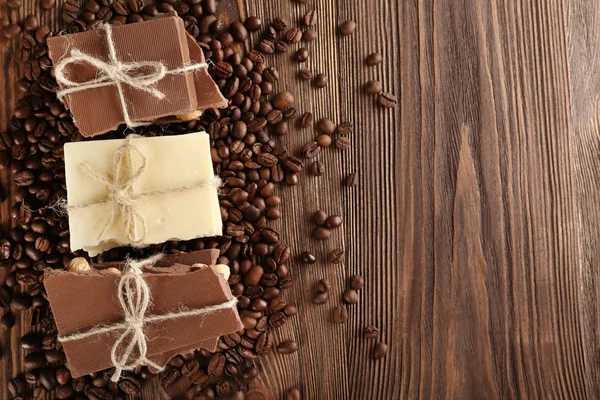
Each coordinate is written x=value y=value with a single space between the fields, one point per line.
x=302 y=55
x=97 y=393
x=293 y=35
x=351 y=180
x=339 y=315
x=380 y=351
x=12 y=31
x=348 y=28
x=310 y=17
x=280 y=24
x=223 y=69
x=238 y=31
x=320 y=217
x=264 y=343
x=357 y=282
x=253 y=23
x=344 y=128
x=350 y=296
x=323 y=286
x=34 y=360
x=275 y=117
x=373 y=87
x=324 y=140
x=216 y=365
x=308 y=257
x=326 y=126
x=47 y=379
x=47 y=4
x=5 y=297
x=321 y=233
x=250 y=373
x=267 y=46
x=31 y=378
x=30 y=341
x=40 y=393
x=336 y=256
x=309 y=35
x=16 y=386
x=169 y=376
x=311 y=149
x=387 y=100
x=64 y=392
x=342 y=143
x=320 y=80
x=63 y=375
x=8 y=320
x=306 y=75
x=130 y=386
x=277 y=320
x=333 y=221
x=374 y=59
x=317 y=168
x=293 y=394
x=71 y=10
x=283 y=100
x=371 y=332
x=321 y=298
x=287 y=347
x=281 y=46
x=31 y=22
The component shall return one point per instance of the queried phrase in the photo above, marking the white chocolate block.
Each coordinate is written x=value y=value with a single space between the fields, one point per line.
x=172 y=162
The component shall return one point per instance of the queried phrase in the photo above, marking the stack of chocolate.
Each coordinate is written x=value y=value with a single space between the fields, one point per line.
x=138 y=191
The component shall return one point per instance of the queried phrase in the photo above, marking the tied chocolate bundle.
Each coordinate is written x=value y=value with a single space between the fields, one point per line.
x=106 y=79
x=140 y=317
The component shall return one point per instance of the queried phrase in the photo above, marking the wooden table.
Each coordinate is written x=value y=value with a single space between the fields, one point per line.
x=475 y=222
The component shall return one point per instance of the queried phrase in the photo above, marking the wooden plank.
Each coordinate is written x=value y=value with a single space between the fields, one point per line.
x=475 y=223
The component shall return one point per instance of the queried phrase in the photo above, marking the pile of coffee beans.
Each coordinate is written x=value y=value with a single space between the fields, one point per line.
x=245 y=155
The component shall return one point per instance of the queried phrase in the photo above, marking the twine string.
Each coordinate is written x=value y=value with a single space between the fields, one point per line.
x=141 y=75
x=130 y=350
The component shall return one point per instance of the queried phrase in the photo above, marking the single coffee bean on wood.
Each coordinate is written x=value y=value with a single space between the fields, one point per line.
x=323 y=286
x=371 y=332
x=339 y=315
x=374 y=59
x=317 y=168
x=320 y=298
x=320 y=217
x=342 y=143
x=305 y=74
x=310 y=17
x=293 y=394
x=357 y=282
x=380 y=351
x=307 y=257
x=309 y=35
x=387 y=100
x=348 y=28
x=350 y=296
x=287 y=347
x=306 y=120
x=324 y=140
x=320 y=80
x=351 y=180
x=373 y=87
x=336 y=256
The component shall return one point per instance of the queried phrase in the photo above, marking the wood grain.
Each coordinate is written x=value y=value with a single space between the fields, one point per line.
x=475 y=223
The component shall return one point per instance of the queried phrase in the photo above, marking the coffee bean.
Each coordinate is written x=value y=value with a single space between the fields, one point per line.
x=238 y=31
x=320 y=80
x=371 y=332
x=323 y=286
x=293 y=164
x=310 y=17
x=317 y=168
x=350 y=296
x=374 y=59
x=293 y=394
x=320 y=217
x=264 y=343
x=339 y=315
x=223 y=69
x=40 y=393
x=373 y=87
x=344 y=128
x=277 y=320
x=333 y=221
x=47 y=379
x=357 y=282
x=5 y=297
x=287 y=347
x=64 y=392
x=342 y=143
x=308 y=258
x=302 y=55
x=130 y=386
x=47 y=4
x=30 y=341
x=380 y=351
x=320 y=298
x=281 y=46
x=336 y=256
x=169 y=377
x=387 y=100
x=97 y=393
x=311 y=149
x=347 y=28
x=267 y=46
x=351 y=180
x=283 y=100
x=63 y=375
x=16 y=386
x=31 y=22
x=12 y=31
x=326 y=126
x=7 y=321
x=293 y=35
x=280 y=24
x=305 y=74
x=290 y=310
x=253 y=23
x=34 y=360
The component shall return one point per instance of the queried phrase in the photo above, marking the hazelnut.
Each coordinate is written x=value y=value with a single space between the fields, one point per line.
x=222 y=269
x=189 y=116
x=112 y=271
x=78 y=264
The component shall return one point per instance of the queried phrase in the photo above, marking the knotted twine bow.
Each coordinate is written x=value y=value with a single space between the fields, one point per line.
x=121 y=192
x=117 y=73
x=134 y=297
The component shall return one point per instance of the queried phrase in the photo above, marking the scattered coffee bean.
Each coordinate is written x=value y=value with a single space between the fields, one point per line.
x=387 y=100
x=309 y=35
x=336 y=256
x=302 y=55
x=287 y=347
x=283 y=100
x=373 y=87
x=317 y=168
x=16 y=386
x=320 y=217
x=320 y=298
x=320 y=80
x=321 y=233
x=253 y=23
x=344 y=128
x=281 y=46
x=47 y=4
x=371 y=332
x=280 y=24
x=311 y=149
x=238 y=31
x=380 y=351
x=347 y=28
x=324 y=140
x=326 y=126
x=351 y=180
x=357 y=282
x=7 y=321
x=310 y=17
x=306 y=120
x=12 y=31
x=342 y=143
x=333 y=221
x=293 y=35
x=339 y=315
x=63 y=375
x=293 y=394
x=31 y=22
x=350 y=296
x=374 y=59
x=307 y=257
x=323 y=286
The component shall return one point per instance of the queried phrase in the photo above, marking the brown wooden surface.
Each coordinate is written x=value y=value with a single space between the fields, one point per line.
x=475 y=223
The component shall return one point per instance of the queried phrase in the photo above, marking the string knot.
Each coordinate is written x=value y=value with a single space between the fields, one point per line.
x=141 y=75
